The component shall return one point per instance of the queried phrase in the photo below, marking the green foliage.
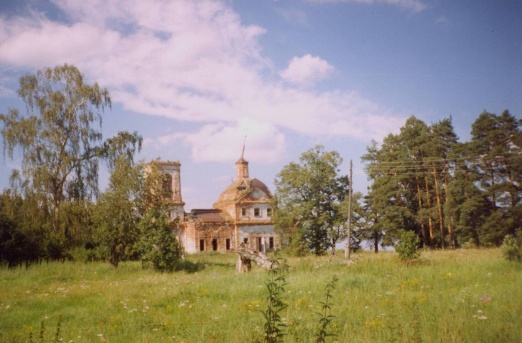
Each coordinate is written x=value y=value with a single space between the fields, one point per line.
x=61 y=142
x=275 y=285
x=295 y=244
x=308 y=199
x=448 y=192
x=158 y=243
x=91 y=254
x=408 y=246
x=365 y=224
x=512 y=248
x=58 y=135
x=117 y=212
x=21 y=240
x=470 y=244
x=325 y=318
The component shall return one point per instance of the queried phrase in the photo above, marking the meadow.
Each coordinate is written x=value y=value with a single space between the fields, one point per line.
x=446 y=296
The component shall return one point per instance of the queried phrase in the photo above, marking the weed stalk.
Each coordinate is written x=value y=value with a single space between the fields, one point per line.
x=325 y=318
x=275 y=285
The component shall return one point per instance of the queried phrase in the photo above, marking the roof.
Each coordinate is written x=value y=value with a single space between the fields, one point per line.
x=241 y=188
x=241 y=160
x=208 y=215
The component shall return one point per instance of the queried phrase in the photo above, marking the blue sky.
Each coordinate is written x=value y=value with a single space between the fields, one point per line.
x=196 y=77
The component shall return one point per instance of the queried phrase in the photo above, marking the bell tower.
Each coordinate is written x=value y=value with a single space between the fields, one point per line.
x=172 y=186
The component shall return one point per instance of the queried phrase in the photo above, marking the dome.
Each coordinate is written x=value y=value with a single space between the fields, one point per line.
x=242 y=188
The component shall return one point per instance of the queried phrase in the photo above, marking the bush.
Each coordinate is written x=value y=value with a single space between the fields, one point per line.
x=408 y=246
x=91 y=254
x=159 y=246
x=511 y=248
x=470 y=244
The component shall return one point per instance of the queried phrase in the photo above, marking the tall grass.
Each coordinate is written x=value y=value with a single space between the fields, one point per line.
x=446 y=296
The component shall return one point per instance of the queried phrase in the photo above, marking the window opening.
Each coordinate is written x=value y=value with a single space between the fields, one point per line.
x=201 y=245
x=214 y=244
x=167 y=185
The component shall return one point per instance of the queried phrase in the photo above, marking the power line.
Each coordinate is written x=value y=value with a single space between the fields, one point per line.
x=411 y=169
x=428 y=160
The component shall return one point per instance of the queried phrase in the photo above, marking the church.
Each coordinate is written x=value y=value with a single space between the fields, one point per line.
x=242 y=214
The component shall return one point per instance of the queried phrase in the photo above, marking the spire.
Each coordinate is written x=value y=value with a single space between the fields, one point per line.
x=242 y=159
x=242 y=165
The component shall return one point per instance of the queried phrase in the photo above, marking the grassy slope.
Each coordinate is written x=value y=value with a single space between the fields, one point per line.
x=449 y=296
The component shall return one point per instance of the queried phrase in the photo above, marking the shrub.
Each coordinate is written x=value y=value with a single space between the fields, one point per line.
x=511 y=248
x=159 y=246
x=408 y=246
x=470 y=244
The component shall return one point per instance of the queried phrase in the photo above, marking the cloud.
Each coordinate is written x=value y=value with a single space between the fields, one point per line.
x=220 y=142
x=413 y=5
x=55 y=44
x=193 y=61
x=306 y=70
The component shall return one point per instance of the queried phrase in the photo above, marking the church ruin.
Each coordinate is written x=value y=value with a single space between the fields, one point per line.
x=241 y=216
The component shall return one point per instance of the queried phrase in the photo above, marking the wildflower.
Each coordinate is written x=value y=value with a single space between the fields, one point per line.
x=485 y=298
x=480 y=317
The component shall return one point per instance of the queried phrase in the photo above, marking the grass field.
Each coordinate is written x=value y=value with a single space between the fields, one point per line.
x=447 y=296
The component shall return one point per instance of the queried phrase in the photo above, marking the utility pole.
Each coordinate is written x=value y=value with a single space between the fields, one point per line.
x=349 y=221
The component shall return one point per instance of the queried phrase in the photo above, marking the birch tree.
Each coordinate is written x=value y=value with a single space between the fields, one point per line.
x=60 y=140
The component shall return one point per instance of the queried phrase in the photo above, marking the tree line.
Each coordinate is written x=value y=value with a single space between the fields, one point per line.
x=54 y=209
x=422 y=180
x=449 y=193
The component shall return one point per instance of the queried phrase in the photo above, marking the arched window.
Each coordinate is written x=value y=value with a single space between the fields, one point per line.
x=167 y=185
